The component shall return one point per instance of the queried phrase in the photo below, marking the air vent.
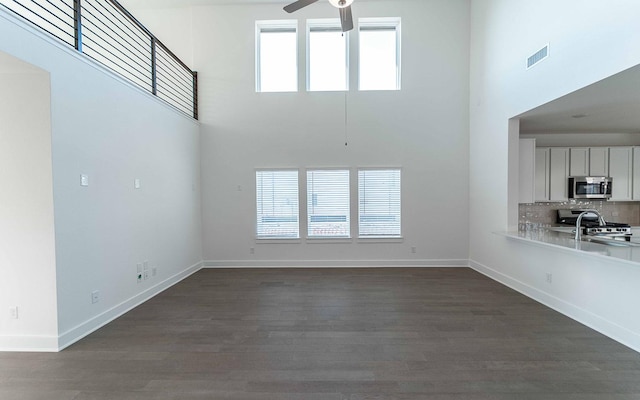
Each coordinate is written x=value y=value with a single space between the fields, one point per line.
x=538 y=56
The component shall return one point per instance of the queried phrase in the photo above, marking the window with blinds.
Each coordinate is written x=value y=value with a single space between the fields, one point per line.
x=379 y=53
x=327 y=55
x=277 y=204
x=328 y=204
x=379 y=203
x=276 y=56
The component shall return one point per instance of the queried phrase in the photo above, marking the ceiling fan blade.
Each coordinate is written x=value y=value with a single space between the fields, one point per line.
x=346 y=19
x=295 y=6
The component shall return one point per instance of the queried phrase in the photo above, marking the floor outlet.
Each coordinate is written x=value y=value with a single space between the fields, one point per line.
x=95 y=296
x=13 y=312
x=549 y=278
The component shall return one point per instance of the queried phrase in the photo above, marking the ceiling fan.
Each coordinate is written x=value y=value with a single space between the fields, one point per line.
x=344 y=6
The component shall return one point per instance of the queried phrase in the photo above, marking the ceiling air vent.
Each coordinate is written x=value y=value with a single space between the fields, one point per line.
x=538 y=56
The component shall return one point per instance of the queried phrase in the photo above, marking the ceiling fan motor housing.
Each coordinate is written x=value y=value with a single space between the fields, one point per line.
x=341 y=3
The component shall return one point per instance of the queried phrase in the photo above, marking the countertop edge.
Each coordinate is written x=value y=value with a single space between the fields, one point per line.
x=540 y=243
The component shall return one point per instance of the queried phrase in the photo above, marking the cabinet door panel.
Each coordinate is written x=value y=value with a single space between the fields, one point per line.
x=621 y=170
x=542 y=174
x=527 y=171
x=559 y=174
x=579 y=161
x=636 y=173
x=599 y=161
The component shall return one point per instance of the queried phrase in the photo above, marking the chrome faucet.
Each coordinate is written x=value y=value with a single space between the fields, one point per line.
x=601 y=222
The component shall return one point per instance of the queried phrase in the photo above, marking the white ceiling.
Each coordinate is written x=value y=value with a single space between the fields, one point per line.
x=611 y=105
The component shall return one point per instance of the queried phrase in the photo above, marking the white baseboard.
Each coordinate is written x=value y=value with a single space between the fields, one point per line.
x=334 y=263
x=43 y=344
x=585 y=317
x=73 y=335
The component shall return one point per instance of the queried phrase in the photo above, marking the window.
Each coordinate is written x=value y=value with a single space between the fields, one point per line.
x=379 y=53
x=327 y=55
x=277 y=204
x=328 y=203
x=276 y=56
x=379 y=203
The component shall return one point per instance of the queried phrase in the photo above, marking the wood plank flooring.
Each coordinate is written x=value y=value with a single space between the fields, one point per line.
x=333 y=334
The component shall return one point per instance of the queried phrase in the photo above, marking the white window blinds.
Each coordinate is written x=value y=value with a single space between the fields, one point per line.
x=379 y=203
x=277 y=204
x=328 y=203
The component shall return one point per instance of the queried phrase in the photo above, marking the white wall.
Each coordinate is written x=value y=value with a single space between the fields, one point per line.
x=27 y=250
x=115 y=133
x=423 y=129
x=589 y=40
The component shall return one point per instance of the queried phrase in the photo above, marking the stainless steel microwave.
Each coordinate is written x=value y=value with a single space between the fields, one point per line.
x=590 y=187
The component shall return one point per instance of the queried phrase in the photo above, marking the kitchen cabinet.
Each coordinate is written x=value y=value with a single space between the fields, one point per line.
x=579 y=161
x=526 y=187
x=559 y=173
x=599 y=161
x=636 y=174
x=621 y=170
x=542 y=173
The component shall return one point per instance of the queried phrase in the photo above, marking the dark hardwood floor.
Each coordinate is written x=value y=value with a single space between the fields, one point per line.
x=333 y=334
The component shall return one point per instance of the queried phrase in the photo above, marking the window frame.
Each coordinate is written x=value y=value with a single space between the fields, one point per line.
x=382 y=236
x=285 y=25
x=327 y=25
x=276 y=239
x=387 y=23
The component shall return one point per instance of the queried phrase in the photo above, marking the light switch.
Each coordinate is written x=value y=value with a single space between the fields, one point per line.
x=136 y=183
x=84 y=180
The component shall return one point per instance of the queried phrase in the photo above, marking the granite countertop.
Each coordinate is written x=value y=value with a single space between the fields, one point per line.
x=562 y=238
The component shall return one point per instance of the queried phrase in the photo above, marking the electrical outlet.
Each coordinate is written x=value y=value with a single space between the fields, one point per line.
x=154 y=271
x=145 y=265
x=145 y=274
x=136 y=183
x=413 y=250
x=84 y=180
x=549 y=277
x=139 y=268
x=13 y=312
x=252 y=250
x=95 y=296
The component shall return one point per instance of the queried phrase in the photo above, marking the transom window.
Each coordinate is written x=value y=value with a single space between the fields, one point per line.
x=379 y=53
x=277 y=56
x=327 y=56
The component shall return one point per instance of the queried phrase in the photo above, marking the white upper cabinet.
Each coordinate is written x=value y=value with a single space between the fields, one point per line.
x=599 y=161
x=527 y=171
x=579 y=161
x=621 y=170
x=543 y=157
x=636 y=173
x=559 y=177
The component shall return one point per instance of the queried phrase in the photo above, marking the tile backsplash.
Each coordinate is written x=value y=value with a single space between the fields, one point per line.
x=545 y=213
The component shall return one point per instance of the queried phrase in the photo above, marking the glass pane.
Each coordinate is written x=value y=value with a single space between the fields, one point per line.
x=277 y=204
x=378 y=60
x=327 y=61
x=328 y=203
x=278 y=62
x=379 y=202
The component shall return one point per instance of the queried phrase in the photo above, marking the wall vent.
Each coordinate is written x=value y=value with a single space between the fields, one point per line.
x=538 y=56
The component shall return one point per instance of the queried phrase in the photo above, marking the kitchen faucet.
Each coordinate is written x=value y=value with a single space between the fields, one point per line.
x=601 y=222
